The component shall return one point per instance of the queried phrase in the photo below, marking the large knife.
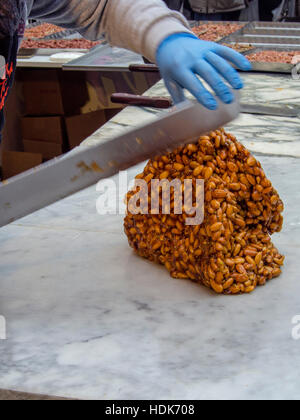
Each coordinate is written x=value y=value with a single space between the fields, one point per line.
x=85 y=166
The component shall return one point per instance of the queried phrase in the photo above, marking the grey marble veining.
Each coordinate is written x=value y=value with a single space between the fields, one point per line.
x=261 y=134
x=271 y=88
x=87 y=318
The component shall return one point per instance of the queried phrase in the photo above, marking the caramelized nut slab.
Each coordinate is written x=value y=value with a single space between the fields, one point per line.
x=231 y=251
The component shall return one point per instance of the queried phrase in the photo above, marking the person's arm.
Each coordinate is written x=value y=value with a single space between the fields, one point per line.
x=148 y=27
x=138 y=25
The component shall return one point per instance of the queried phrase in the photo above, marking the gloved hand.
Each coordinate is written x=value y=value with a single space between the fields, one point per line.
x=181 y=57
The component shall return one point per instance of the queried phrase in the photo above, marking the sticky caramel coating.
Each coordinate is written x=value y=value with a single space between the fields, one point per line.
x=231 y=251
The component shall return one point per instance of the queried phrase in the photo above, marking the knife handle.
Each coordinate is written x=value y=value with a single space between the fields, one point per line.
x=136 y=100
x=145 y=68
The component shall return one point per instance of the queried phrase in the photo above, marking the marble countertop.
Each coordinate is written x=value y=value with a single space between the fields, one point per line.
x=86 y=318
x=255 y=131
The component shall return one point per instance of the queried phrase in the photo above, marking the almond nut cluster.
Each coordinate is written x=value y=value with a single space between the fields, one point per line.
x=231 y=251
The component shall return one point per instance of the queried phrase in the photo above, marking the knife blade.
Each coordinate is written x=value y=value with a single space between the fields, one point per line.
x=85 y=166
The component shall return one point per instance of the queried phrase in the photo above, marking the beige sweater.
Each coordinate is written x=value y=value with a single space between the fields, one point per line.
x=138 y=25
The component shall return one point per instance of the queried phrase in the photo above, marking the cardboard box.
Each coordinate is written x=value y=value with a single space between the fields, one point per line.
x=74 y=90
x=48 y=129
x=42 y=92
x=47 y=150
x=14 y=163
x=58 y=92
x=80 y=127
x=53 y=92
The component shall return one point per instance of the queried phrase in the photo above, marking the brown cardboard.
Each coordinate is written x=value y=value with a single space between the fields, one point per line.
x=80 y=127
x=53 y=92
x=14 y=163
x=57 y=92
x=74 y=91
x=48 y=150
x=42 y=92
x=49 y=129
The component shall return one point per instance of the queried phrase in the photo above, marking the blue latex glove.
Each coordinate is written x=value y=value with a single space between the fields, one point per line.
x=181 y=57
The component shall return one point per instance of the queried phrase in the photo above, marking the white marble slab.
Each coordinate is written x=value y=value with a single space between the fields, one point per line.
x=271 y=88
x=86 y=318
x=262 y=134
